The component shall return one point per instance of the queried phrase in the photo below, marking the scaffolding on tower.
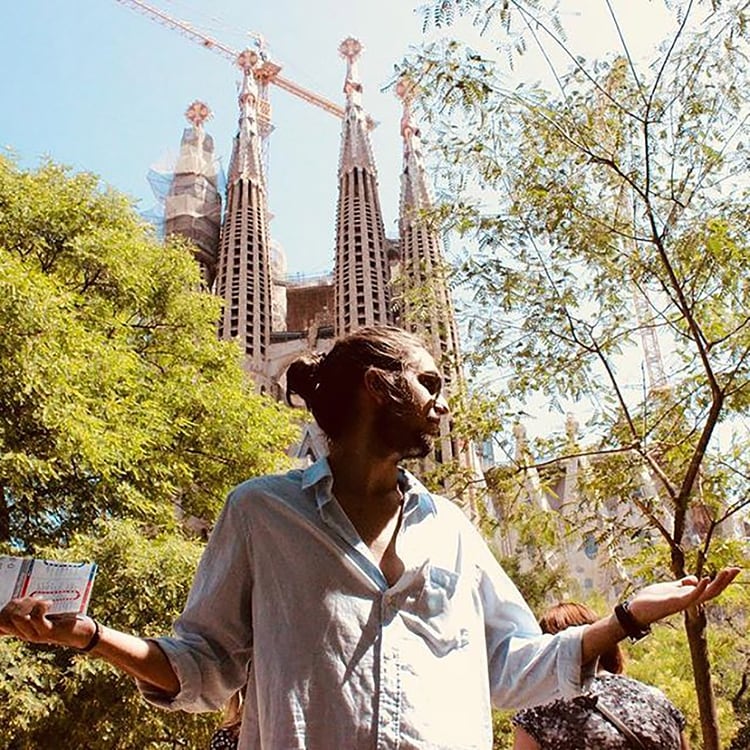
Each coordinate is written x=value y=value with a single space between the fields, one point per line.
x=173 y=180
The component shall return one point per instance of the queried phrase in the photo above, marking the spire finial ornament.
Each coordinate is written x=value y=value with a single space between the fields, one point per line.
x=246 y=160
x=248 y=97
x=198 y=112
x=406 y=91
x=350 y=49
x=519 y=433
x=247 y=60
x=571 y=426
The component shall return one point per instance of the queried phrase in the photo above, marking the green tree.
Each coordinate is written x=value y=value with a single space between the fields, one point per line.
x=116 y=397
x=121 y=414
x=607 y=209
x=664 y=661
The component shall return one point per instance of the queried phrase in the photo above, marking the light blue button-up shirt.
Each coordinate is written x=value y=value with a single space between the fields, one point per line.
x=289 y=599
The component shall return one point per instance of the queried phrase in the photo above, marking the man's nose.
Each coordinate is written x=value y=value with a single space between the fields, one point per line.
x=441 y=405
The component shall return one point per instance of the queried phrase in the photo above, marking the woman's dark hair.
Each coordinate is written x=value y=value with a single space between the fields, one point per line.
x=328 y=383
x=566 y=614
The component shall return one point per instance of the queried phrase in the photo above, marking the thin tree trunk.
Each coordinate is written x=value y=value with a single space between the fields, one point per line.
x=695 y=627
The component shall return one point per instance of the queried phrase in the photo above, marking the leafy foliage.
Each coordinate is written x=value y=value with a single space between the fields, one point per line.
x=47 y=693
x=605 y=210
x=121 y=414
x=116 y=398
x=664 y=660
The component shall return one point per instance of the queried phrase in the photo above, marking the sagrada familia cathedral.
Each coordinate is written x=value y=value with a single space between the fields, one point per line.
x=375 y=279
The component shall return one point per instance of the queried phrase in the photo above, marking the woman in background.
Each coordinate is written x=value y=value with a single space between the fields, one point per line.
x=227 y=735
x=616 y=713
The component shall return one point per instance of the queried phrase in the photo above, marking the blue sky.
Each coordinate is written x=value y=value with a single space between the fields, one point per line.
x=100 y=87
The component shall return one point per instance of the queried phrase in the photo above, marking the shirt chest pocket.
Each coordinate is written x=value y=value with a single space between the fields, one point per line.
x=437 y=609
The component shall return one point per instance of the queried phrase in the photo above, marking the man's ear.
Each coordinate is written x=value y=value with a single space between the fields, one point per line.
x=375 y=385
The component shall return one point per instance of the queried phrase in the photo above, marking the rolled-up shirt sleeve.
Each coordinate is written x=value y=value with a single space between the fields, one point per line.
x=526 y=667
x=211 y=647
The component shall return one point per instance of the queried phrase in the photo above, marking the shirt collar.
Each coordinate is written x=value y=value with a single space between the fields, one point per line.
x=316 y=472
x=319 y=476
x=415 y=493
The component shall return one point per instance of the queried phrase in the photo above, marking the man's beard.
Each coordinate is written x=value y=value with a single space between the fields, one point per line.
x=398 y=431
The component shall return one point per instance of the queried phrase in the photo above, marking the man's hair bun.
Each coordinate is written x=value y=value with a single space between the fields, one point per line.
x=303 y=377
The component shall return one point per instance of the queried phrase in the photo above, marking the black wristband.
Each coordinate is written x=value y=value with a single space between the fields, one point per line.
x=633 y=629
x=94 y=638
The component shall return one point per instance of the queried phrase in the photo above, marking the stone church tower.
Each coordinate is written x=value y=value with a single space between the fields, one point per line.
x=422 y=300
x=275 y=316
x=192 y=207
x=361 y=267
x=243 y=279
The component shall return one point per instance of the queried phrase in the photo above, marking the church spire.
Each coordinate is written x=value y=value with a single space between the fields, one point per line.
x=244 y=277
x=246 y=154
x=356 y=149
x=424 y=304
x=192 y=207
x=361 y=265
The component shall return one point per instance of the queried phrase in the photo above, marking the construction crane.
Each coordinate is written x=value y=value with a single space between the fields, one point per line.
x=657 y=377
x=265 y=71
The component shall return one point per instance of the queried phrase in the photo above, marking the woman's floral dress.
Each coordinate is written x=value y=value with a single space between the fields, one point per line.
x=575 y=724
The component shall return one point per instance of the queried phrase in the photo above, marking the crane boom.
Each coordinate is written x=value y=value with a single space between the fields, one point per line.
x=308 y=96
x=655 y=371
x=267 y=72
x=650 y=342
x=182 y=27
